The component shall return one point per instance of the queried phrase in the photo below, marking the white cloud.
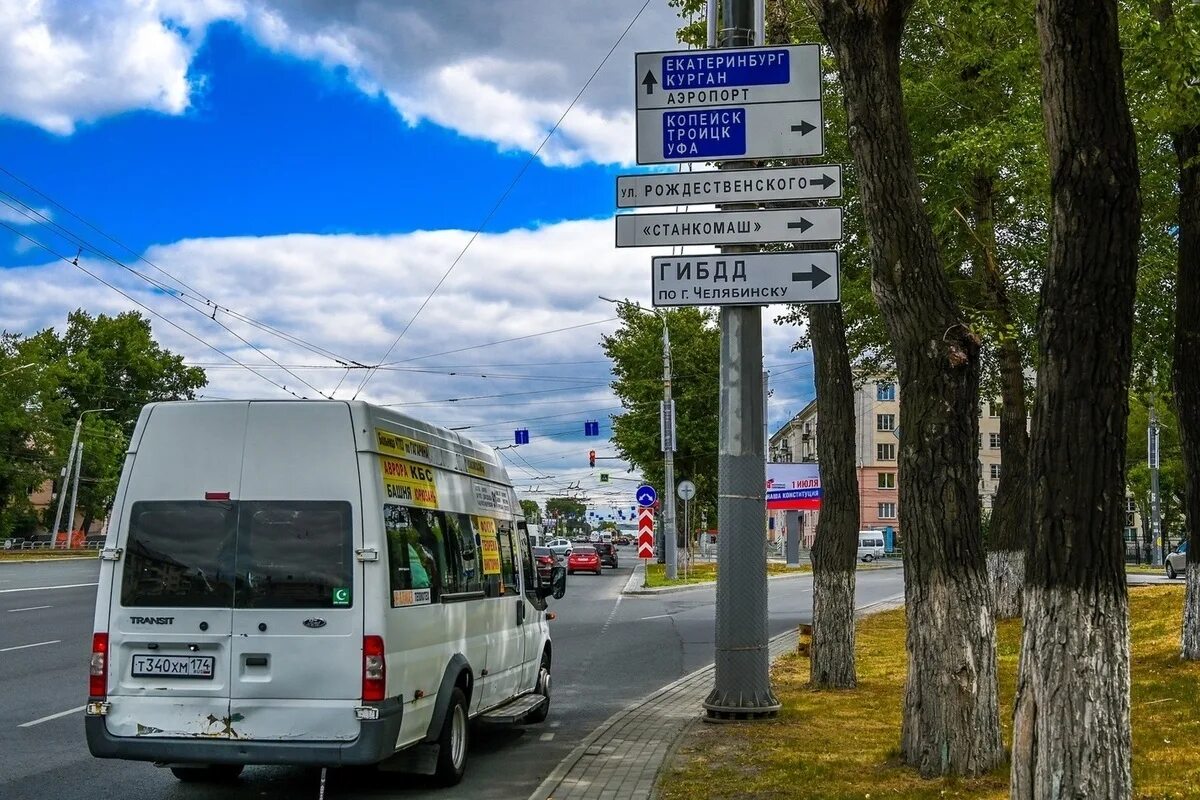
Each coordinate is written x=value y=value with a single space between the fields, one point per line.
x=62 y=63
x=352 y=294
x=501 y=72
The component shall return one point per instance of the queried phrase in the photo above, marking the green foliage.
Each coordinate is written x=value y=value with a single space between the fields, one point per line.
x=635 y=350
x=30 y=414
x=97 y=362
x=531 y=510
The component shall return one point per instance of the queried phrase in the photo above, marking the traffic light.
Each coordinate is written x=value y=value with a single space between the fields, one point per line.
x=592 y=457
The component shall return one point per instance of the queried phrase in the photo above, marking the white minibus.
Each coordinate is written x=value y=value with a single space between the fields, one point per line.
x=311 y=583
x=870 y=546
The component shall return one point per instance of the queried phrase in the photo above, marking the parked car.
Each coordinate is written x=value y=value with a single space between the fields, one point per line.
x=607 y=553
x=584 y=558
x=560 y=546
x=1177 y=561
x=544 y=559
x=621 y=540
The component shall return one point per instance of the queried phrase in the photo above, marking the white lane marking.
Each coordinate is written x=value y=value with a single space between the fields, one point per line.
x=66 y=713
x=25 y=646
x=546 y=737
x=555 y=724
x=31 y=608
x=46 y=588
x=656 y=616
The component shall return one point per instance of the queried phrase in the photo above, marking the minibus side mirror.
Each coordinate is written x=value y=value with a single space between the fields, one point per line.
x=558 y=582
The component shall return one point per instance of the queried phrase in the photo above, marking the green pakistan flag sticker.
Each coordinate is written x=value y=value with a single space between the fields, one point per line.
x=341 y=596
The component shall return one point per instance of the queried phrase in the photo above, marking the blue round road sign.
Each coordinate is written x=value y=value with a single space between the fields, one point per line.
x=646 y=495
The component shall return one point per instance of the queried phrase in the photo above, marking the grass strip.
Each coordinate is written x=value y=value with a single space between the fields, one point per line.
x=706 y=572
x=837 y=745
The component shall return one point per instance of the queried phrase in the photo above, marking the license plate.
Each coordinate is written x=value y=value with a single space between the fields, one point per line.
x=147 y=666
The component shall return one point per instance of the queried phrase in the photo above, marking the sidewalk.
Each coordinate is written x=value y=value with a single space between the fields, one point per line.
x=620 y=760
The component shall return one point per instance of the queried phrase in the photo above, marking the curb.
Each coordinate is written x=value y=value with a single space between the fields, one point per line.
x=48 y=560
x=688 y=587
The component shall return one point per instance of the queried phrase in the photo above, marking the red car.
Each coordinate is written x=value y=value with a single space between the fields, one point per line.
x=584 y=558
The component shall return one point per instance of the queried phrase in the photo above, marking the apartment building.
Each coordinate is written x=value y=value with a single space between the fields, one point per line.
x=876 y=449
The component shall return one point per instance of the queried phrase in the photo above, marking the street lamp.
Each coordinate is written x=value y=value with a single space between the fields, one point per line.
x=16 y=369
x=62 y=495
x=668 y=440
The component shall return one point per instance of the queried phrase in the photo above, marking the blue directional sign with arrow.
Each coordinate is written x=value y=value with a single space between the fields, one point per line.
x=646 y=495
x=698 y=105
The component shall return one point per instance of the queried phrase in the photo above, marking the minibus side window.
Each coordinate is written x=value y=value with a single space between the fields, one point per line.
x=416 y=555
x=508 y=561
x=464 y=555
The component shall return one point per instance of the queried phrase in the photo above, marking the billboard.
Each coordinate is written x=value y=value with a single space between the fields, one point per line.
x=793 y=487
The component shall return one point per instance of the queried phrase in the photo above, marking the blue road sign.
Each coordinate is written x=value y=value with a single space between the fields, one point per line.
x=521 y=435
x=729 y=76
x=646 y=495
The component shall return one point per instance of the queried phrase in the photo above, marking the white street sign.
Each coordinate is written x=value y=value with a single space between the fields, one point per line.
x=763 y=130
x=695 y=78
x=746 y=279
x=686 y=490
x=730 y=227
x=729 y=186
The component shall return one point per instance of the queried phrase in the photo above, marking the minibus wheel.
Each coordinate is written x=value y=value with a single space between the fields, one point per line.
x=543 y=688
x=453 y=741
x=213 y=773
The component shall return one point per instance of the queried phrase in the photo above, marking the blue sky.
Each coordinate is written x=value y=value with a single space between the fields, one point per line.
x=318 y=167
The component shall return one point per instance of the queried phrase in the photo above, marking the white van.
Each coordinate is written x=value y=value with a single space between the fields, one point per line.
x=311 y=583
x=870 y=546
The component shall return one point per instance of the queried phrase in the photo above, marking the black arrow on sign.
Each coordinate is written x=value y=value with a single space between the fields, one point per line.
x=803 y=224
x=817 y=276
x=649 y=82
x=804 y=128
x=825 y=181
x=757 y=226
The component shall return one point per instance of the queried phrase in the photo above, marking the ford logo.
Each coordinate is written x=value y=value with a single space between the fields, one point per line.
x=314 y=622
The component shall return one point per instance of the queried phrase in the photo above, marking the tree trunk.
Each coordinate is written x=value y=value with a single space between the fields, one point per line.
x=1187 y=370
x=1009 y=529
x=834 y=553
x=1071 y=735
x=951 y=714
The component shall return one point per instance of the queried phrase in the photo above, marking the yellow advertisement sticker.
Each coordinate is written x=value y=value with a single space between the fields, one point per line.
x=409 y=482
x=476 y=467
x=396 y=445
x=489 y=545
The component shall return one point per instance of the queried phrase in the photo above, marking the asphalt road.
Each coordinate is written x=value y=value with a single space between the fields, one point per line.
x=609 y=650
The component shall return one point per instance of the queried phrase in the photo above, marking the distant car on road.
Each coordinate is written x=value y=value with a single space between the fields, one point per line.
x=584 y=558
x=870 y=546
x=1177 y=561
x=607 y=553
x=560 y=546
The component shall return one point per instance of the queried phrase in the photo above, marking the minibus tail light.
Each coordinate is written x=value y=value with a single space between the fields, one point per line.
x=374 y=669
x=98 y=667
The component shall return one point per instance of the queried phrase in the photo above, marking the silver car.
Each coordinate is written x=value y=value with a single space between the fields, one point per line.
x=1177 y=561
x=560 y=547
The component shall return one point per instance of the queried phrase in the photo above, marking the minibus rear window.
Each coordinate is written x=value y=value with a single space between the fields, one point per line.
x=180 y=554
x=294 y=554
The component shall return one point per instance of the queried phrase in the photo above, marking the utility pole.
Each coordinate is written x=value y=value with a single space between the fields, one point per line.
x=64 y=482
x=1156 y=550
x=742 y=682
x=74 y=494
x=66 y=476
x=667 y=420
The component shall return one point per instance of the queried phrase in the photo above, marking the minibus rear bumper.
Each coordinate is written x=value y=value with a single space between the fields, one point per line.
x=376 y=741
